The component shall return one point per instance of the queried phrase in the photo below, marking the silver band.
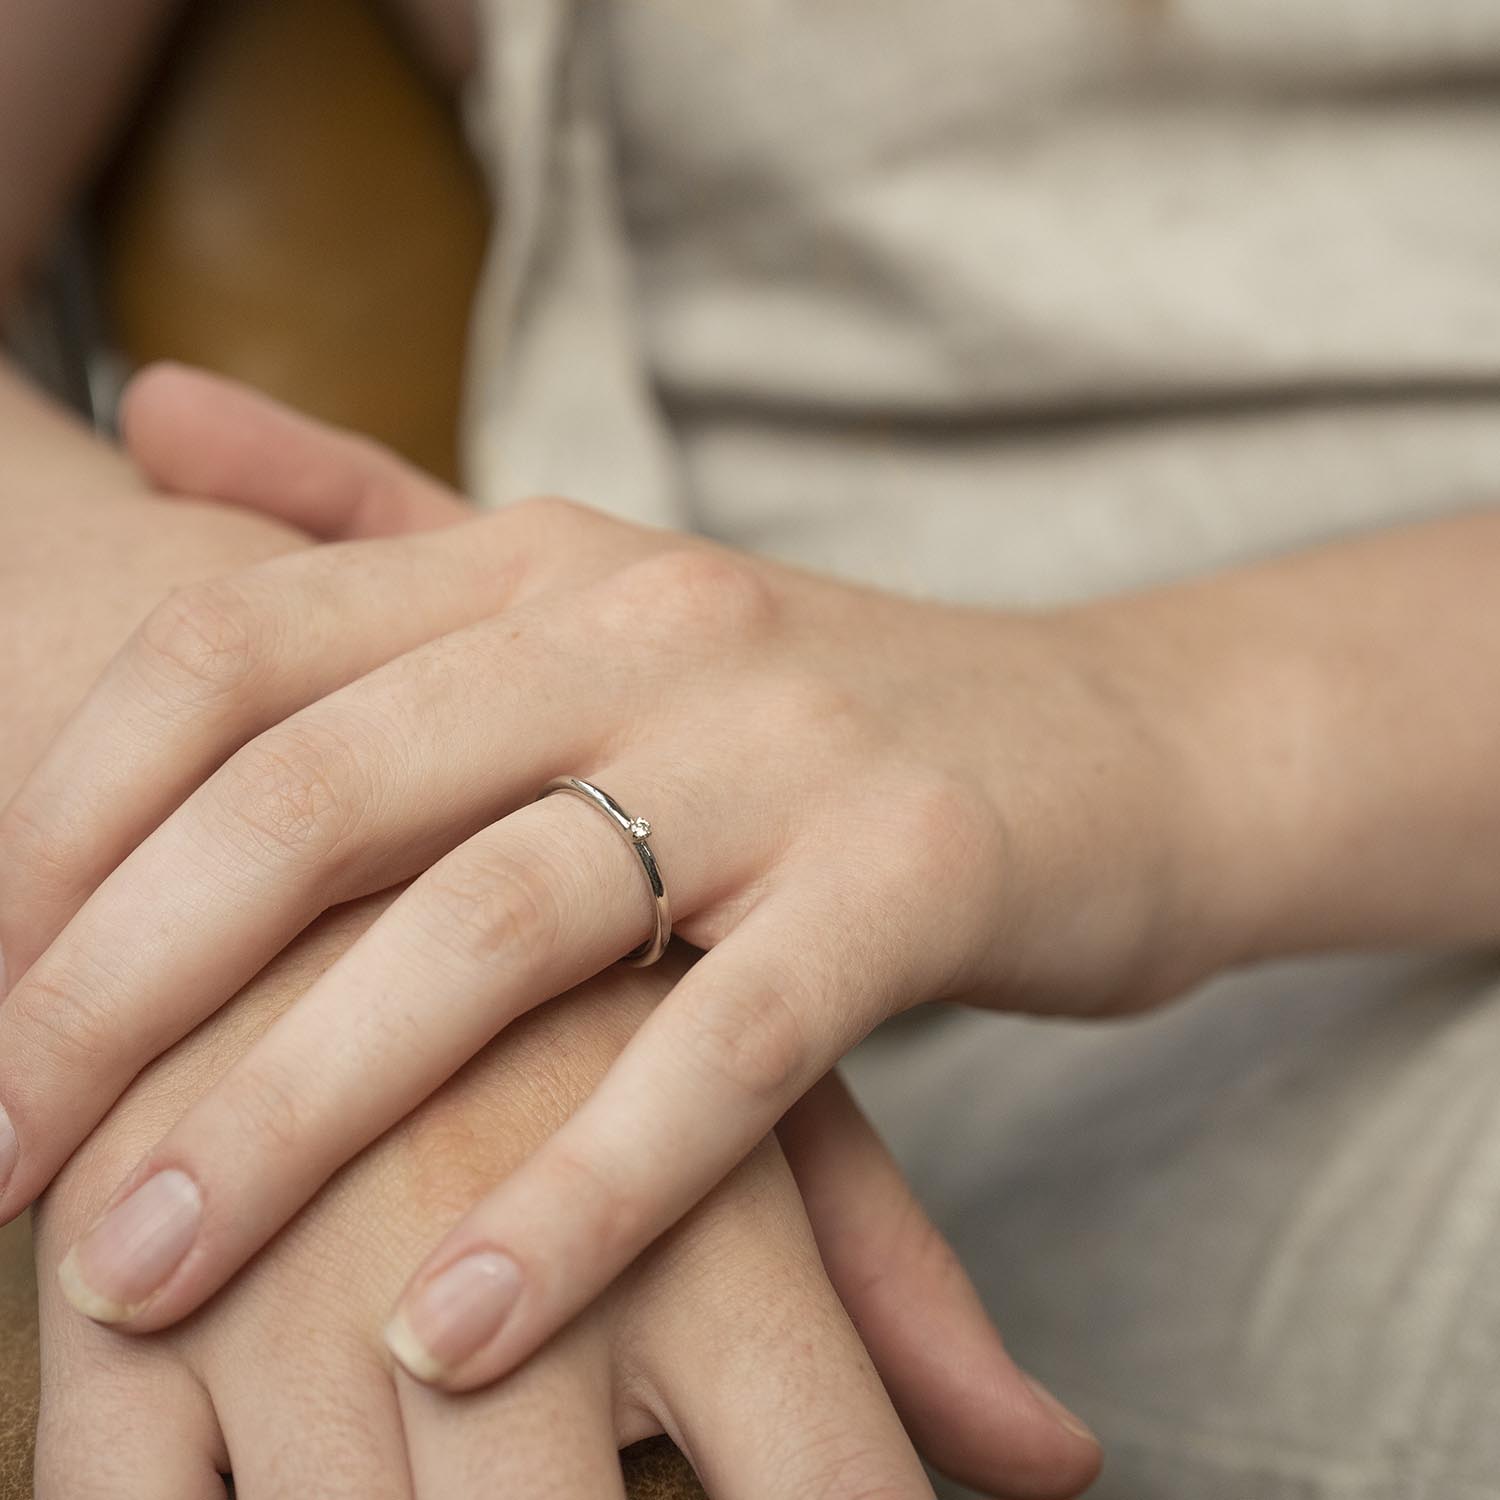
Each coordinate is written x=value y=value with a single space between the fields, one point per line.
x=636 y=831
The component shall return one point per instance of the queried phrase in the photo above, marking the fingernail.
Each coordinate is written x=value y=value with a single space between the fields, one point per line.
x=10 y=1149
x=460 y=1310
x=114 y=1270
x=1066 y=1419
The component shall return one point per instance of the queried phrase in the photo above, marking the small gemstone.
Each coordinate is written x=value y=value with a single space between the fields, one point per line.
x=639 y=828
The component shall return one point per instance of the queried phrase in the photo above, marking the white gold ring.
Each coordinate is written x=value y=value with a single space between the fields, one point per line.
x=636 y=831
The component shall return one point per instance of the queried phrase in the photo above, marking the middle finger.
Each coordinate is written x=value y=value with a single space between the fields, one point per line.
x=350 y=796
x=522 y=912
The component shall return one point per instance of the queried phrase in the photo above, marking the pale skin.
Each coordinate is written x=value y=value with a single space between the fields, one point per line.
x=285 y=1377
x=1093 y=808
x=862 y=803
x=727 y=1335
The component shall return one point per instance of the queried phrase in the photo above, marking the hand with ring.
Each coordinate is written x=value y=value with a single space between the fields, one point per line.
x=747 y=1310
x=853 y=802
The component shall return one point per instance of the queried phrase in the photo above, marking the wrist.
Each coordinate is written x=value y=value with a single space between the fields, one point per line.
x=1135 y=887
x=1229 y=725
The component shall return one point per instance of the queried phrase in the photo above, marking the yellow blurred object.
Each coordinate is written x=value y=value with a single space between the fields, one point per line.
x=296 y=207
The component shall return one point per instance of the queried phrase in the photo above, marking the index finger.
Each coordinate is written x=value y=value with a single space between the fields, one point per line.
x=208 y=670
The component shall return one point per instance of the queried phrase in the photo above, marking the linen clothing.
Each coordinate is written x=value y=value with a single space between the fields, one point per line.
x=1009 y=302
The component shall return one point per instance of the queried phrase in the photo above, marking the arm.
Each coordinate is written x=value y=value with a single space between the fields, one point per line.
x=1340 y=712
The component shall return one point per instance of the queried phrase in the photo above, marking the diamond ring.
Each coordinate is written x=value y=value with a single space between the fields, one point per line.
x=636 y=832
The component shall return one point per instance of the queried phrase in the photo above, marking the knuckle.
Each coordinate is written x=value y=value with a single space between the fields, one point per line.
x=539 y=535
x=688 y=593
x=941 y=822
x=203 y=641
x=832 y=1463
x=50 y=1018
x=751 y=1040
x=295 y=791
x=37 y=852
x=268 y=1111
x=489 y=902
x=809 y=706
x=617 y=1215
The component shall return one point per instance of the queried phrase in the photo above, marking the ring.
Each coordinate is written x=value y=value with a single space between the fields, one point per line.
x=636 y=831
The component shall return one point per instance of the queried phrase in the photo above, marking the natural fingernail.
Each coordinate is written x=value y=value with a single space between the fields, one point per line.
x=443 y=1322
x=10 y=1148
x=1066 y=1419
x=114 y=1270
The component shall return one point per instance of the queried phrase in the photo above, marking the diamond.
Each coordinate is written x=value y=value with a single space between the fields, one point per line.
x=639 y=829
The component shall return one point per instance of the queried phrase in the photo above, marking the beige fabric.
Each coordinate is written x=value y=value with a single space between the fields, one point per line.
x=991 y=299
x=1002 y=300
x=1254 y=1238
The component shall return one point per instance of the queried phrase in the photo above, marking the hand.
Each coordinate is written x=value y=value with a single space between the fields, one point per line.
x=726 y=1334
x=860 y=802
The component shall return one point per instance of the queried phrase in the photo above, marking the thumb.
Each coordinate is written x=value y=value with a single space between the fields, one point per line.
x=192 y=433
x=969 y=1408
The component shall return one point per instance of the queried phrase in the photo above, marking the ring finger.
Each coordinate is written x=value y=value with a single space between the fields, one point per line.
x=518 y=914
x=213 y=666
x=224 y=659
x=351 y=796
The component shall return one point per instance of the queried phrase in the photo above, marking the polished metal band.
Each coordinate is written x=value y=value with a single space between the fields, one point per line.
x=636 y=831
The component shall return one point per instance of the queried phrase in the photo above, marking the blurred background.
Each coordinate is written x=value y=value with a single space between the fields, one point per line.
x=295 y=206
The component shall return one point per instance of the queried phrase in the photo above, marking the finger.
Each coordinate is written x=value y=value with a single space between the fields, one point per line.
x=194 y=433
x=769 y=1392
x=115 y=1426
x=522 y=912
x=547 y=1435
x=351 y=796
x=211 y=668
x=750 y=1027
x=317 y=1419
x=968 y=1407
